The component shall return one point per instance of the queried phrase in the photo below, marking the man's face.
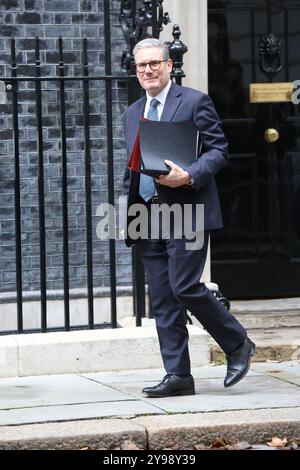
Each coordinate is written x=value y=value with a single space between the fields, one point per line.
x=153 y=81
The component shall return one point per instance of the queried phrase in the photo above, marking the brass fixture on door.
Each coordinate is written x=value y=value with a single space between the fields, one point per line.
x=271 y=135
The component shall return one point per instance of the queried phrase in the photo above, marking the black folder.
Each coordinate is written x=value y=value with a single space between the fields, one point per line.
x=160 y=140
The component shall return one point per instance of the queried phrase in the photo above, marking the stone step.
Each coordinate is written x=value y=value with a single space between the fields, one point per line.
x=267 y=313
x=276 y=344
x=272 y=344
x=90 y=351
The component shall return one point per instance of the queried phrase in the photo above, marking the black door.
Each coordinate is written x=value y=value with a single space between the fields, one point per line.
x=258 y=252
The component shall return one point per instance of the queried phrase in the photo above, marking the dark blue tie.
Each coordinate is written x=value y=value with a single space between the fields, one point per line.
x=147 y=187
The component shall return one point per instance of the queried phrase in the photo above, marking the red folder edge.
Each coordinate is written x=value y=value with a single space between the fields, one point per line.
x=134 y=163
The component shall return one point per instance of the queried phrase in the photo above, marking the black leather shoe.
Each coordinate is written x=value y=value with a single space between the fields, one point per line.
x=238 y=363
x=170 y=386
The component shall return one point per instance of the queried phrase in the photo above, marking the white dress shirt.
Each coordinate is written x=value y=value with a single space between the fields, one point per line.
x=161 y=97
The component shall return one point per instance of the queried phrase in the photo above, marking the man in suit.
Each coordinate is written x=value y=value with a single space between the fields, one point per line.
x=174 y=272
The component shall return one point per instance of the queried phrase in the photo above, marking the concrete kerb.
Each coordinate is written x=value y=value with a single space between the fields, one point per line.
x=187 y=430
x=155 y=432
x=72 y=435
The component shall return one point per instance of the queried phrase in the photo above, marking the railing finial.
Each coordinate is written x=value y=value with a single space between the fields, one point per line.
x=177 y=49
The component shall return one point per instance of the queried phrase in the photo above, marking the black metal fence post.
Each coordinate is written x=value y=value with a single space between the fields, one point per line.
x=18 y=240
x=155 y=30
x=41 y=189
x=88 y=195
x=110 y=165
x=64 y=187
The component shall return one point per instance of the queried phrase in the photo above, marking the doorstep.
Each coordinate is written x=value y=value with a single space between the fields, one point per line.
x=90 y=351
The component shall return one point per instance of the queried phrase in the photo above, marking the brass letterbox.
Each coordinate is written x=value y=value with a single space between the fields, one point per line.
x=271 y=92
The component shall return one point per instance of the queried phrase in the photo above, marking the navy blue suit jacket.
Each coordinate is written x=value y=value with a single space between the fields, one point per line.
x=185 y=105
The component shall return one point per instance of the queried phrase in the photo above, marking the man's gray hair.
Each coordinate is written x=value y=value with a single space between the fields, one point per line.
x=153 y=42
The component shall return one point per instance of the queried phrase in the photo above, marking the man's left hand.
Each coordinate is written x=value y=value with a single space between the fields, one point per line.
x=177 y=176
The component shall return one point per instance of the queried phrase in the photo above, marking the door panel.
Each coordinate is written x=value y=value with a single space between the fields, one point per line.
x=258 y=252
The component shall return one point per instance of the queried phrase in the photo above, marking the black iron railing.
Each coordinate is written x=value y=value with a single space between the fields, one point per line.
x=12 y=86
x=14 y=83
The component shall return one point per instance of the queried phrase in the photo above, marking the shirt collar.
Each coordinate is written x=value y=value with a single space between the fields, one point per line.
x=162 y=96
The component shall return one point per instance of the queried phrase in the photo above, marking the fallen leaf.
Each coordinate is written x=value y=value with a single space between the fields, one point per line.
x=220 y=442
x=201 y=447
x=243 y=445
x=277 y=442
x=296 y=441
x=129 y=445
x=293 y=445
x=173 y=447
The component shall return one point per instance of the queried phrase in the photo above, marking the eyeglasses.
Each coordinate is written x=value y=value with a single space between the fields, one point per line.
x=154 y=65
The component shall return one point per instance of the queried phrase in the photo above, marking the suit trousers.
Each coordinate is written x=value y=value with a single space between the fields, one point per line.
x=173 y=274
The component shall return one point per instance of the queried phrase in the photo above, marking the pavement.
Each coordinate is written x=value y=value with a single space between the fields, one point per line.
x=105 y=409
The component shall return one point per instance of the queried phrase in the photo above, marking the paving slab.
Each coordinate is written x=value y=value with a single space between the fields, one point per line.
x=287 y=371
x=22 y=392
x=155 y=375
x=41 y=414
x=100 y=395
x=126 y=375
x=251 y=393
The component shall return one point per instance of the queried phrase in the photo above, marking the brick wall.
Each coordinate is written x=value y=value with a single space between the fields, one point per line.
x=72 y=19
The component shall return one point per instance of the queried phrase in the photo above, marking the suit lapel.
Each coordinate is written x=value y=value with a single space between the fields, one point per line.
x=172 y=102
x=133 y=129
x=134 y=124
x=141 y=107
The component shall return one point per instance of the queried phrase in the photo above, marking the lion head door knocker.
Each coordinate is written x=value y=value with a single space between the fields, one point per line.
x=269 y=55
